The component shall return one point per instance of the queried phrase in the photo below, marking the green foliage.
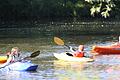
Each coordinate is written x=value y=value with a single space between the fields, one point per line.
x=101 y=6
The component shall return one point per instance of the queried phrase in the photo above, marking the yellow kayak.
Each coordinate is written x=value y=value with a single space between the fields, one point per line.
x=3 y=59
x=65 y=57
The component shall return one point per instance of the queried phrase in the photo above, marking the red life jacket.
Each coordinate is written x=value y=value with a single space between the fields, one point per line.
x=78 y=54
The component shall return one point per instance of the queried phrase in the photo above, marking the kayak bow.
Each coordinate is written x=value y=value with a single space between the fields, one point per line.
x=3 y=59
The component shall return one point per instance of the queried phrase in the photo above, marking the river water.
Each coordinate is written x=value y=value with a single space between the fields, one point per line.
x=105 y=67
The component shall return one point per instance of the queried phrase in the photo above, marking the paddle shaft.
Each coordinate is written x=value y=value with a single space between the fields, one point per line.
x=33 y=55
x=69 y=47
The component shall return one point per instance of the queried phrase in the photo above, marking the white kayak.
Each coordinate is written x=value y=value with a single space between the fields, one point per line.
x=65 y=57
x=20 y=66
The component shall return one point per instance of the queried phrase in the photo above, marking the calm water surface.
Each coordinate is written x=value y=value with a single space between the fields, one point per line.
x=105 y=67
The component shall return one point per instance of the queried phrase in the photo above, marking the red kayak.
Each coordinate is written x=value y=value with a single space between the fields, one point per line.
x=106 y=50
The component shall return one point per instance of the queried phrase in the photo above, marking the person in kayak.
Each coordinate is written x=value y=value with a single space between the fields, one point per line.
x=14 y=53
x=11 y=56
x=79 y=52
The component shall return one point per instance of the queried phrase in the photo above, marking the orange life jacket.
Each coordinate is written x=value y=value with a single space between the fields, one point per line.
x=78 y=54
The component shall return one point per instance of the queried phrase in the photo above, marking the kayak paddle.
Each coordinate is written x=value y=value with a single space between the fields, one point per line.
x=61 y=42
x=33 y=55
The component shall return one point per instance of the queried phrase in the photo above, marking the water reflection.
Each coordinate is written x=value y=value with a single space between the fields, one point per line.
x=68 y=65
x=22 y=75
x=72 y=70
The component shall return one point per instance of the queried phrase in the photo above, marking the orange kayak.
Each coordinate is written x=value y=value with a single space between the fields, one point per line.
x=3 y=59
x=106 y=50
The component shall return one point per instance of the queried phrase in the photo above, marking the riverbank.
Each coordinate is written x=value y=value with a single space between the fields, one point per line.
x=46 y=28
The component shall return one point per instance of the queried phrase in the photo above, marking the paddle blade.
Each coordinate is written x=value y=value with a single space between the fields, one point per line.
x=34 y=54
x=58 y=41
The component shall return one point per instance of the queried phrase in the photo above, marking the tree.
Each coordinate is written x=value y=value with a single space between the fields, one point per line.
x=104 y=7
